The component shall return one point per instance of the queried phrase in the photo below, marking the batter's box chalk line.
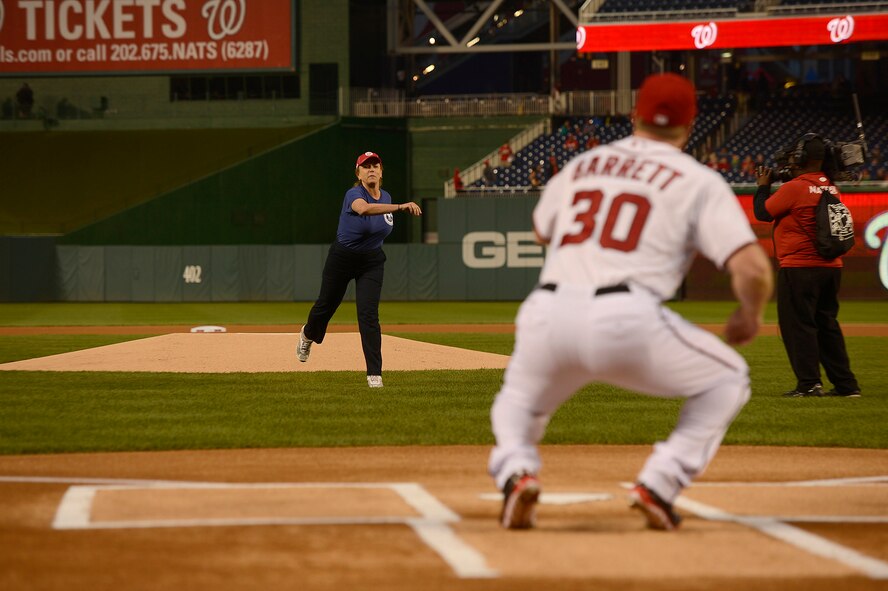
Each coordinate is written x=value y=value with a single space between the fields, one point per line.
x=432 y=527
x=777 y=528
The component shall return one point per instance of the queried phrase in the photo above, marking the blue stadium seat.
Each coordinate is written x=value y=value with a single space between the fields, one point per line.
x=785 y=119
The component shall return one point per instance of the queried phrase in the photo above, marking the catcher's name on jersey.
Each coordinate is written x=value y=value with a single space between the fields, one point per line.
x=627 y=166
x=636 y=211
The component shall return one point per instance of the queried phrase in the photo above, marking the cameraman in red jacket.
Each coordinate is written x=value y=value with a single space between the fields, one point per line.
x=807 y=284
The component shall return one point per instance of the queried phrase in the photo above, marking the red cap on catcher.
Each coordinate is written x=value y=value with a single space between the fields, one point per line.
x=666 y=100
x=368 y=156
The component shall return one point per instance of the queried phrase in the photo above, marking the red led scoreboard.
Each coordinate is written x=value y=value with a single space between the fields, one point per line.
x=732 y=33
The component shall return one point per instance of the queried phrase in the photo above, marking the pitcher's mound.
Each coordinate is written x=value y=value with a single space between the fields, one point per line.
x=257 y=352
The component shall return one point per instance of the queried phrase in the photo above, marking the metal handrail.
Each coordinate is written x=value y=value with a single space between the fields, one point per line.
x=654 y=15
x=517 y=143
x=837 y=8
x=364 y=103
x=487 y=105
x=360 y=103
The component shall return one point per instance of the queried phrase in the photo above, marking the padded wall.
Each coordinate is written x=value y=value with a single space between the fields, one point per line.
x=27 y=269
x=223 y=273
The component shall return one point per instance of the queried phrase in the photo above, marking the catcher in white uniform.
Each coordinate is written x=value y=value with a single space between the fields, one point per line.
x=623 y=223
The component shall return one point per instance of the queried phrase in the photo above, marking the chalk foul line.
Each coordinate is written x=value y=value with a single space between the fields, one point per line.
x=801 y=539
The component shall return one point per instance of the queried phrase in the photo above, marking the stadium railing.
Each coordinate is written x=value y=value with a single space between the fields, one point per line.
x=393 y=103
x=360 y=102
x=811 y=6
x=53 y=108
x=517 y=143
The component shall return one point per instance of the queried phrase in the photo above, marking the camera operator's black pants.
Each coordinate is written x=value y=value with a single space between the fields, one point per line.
x=366 y=268
x=807 y=309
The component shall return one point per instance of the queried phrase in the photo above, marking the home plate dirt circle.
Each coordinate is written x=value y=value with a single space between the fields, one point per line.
x=257 y=352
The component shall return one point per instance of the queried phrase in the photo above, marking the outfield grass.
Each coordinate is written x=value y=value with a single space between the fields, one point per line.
x=295 y=313
x=289 y=313
x=46 y=412
x=15 y=347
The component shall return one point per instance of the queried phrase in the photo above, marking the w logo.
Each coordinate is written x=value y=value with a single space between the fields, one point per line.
x=704 y=35
x=874 y=241
x=840 y=29
x=224 y=17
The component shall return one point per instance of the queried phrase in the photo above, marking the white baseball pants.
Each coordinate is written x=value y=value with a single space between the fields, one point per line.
x=569 y=337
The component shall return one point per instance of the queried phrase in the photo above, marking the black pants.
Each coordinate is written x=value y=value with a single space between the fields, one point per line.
x=366 y=268
x=807 y=308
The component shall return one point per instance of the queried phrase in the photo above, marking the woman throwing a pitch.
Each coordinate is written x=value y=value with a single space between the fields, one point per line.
x=365 y=220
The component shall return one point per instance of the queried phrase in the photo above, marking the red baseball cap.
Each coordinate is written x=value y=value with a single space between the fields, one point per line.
x=368 y=156
x=666 y=100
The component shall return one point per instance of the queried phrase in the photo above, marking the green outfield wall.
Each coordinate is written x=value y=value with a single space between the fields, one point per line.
x=223 y=273
x=28 y=269
x=270 y=194
x=486 y=251
x=289 y=195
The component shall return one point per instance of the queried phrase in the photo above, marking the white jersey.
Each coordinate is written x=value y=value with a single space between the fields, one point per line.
x=636 y=211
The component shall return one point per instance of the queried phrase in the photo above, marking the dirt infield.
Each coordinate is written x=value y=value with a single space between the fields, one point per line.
x=257 y=352
x=404 y=518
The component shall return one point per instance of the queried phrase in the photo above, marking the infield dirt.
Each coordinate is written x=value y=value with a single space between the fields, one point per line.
x=597 y=544
x=257 y=352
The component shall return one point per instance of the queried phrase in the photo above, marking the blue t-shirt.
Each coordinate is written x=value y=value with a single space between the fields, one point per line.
x=363 y=232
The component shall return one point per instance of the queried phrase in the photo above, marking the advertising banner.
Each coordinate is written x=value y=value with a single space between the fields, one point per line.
x=70 y=37
x=869 y=256
x=732 y=33
x=487 y=249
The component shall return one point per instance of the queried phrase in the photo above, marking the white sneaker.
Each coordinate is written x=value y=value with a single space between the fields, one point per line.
x=374 y=381
x=303 y=348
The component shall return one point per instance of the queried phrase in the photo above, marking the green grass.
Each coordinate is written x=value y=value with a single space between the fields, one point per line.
x=476 y=341
x=45 y=412
x=294 y=313
x=875 y=311
x=290 y=313
x=14 y=348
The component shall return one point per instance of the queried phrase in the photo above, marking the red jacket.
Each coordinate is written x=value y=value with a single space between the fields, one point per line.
x=793 y=207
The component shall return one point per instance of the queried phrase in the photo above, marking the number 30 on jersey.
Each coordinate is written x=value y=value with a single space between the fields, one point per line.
x=625 y=204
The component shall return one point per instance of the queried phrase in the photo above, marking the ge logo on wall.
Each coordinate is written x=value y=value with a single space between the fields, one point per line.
x=2 y=10
x=192 y=274
x=492 y=250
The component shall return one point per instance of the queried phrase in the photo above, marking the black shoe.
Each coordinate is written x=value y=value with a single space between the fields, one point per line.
x=659 y=513
x=520 y=496
x=815 y=392
x=853 y=394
